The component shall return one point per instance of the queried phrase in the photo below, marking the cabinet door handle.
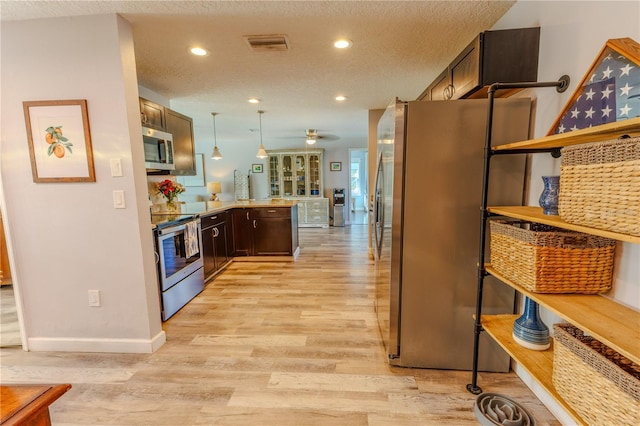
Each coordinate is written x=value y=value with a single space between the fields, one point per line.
x=247 y=214
x=255 y=223
x=449 y=91
x=215 y=232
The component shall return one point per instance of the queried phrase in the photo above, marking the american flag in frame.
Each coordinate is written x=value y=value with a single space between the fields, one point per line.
x=608 y=92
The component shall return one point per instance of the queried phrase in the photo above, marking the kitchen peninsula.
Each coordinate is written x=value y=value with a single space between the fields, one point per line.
x=257 y=227
x=194 y=245
x=254 y=228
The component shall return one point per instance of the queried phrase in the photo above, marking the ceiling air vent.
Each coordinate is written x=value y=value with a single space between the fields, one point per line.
x=264 y=43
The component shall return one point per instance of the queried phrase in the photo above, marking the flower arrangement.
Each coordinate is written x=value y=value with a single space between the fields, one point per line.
x=169 y=189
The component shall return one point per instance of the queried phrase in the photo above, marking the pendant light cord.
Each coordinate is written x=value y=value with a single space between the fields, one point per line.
x=215 y=137
x=260 y=113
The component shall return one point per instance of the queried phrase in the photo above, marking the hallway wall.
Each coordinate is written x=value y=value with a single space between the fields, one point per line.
x=67 y=238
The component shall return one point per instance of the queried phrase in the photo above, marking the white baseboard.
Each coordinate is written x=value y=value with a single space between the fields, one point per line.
x=63 y=344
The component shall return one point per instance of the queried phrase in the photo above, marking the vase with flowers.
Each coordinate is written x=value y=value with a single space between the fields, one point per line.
x=170 y=190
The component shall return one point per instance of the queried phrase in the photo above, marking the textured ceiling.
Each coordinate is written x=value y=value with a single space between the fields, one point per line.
x=398 y=49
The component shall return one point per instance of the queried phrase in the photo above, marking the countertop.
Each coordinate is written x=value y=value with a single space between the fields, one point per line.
x=204 y=208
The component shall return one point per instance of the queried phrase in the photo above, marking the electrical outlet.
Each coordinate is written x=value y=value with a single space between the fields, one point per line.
x=94 y=298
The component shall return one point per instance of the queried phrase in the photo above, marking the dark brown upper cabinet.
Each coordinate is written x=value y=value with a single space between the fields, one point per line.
x=503 y=56
x=158 y=117
x=184 y=155
x=152 y=114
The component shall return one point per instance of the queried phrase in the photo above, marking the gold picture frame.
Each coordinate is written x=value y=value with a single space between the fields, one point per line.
x=59 y=141
x=335 y=166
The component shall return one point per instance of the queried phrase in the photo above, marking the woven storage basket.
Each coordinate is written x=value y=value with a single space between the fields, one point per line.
x=600 y=185
x=601 y=385
x=544 y=259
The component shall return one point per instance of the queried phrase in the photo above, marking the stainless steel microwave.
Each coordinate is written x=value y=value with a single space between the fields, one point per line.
x=158 y=149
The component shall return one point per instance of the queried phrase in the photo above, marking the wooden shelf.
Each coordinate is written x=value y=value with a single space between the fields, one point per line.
x=602 y=132
x=613 y=324
x=534 y=214
x=539 y=364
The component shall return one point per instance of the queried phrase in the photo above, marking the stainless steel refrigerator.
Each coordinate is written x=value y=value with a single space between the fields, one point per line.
x=426 y=227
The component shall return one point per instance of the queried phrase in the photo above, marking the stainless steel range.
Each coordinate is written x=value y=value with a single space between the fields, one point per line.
x=179 y=258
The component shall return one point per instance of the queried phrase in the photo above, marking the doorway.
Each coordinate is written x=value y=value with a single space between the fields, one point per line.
x=9 y=325
x=358 y=176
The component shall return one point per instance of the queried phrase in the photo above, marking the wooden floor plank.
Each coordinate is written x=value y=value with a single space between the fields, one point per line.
x=268 y=343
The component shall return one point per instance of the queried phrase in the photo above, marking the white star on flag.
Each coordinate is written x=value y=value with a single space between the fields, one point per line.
x=625 y=70
x=625 y=110
x=590 y=94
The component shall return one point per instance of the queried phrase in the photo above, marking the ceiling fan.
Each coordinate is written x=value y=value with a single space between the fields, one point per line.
x=312 y=137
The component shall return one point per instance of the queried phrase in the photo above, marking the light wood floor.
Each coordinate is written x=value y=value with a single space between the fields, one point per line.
x=9 y=327
x=267 y=344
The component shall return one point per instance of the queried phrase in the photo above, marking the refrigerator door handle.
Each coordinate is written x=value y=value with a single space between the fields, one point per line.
x=378 y=210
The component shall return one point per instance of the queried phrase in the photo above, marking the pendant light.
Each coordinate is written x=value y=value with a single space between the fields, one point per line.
x=261 y=151
x=216 y=152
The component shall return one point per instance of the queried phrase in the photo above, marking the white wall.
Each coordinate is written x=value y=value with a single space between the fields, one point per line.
x=571 y=36
x=241 y=156
x=67 y=238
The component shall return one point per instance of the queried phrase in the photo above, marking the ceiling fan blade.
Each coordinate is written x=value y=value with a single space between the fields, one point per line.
x=328 y=137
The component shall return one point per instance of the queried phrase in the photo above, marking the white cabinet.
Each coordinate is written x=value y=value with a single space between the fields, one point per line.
x=313 y=212
x=295 y=173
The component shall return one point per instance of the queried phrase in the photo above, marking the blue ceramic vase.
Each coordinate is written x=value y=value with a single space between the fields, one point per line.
x=549 y=197
x=529 y=330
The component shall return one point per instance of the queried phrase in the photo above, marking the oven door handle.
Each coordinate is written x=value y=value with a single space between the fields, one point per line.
x=173 y=229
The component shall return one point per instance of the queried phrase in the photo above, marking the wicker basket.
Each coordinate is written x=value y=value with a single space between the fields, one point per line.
x=544 y=259
x=601 y=385
x=600 y=185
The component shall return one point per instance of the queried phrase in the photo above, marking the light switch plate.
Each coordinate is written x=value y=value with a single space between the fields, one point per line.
x=94 y=298
x=118 y=199
x=116 y=167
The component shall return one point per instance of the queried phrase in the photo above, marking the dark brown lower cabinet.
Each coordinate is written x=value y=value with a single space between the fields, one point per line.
x=272 y=231
x=264 y=231
x=215 y=243
x=241 y=225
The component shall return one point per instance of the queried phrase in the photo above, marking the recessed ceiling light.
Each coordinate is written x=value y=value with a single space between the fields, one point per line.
x=199 y=51
x=254 y=100
x=342 y=43
x=341 y=98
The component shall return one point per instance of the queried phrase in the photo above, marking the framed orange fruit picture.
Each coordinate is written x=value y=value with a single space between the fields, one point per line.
x=59 y=141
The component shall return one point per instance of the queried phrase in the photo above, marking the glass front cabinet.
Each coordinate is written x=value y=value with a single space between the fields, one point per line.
x=297 y=174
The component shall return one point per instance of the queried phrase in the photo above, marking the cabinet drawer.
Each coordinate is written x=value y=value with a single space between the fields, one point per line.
x=214 y=219
x=271 y=212
x=317 y=212
x=316 y=204
x=317 y=219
